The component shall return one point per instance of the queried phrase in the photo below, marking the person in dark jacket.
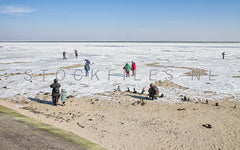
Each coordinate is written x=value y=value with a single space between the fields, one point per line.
x=55 y=92
x=64 y=55
x=153 y=92
x=87 y=68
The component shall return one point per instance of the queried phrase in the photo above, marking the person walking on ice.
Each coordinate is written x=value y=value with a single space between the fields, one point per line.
x=223 y=55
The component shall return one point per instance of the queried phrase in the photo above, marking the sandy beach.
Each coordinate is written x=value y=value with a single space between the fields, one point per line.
x=124 y=124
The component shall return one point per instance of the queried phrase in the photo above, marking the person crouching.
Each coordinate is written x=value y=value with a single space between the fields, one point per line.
x=153 y=92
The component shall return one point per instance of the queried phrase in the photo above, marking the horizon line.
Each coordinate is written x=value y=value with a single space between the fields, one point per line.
x=147 y=41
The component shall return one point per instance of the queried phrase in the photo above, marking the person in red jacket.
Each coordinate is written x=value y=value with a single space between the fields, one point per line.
x=133 y=68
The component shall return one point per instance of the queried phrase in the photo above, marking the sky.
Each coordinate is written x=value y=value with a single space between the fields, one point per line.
x=120 y=20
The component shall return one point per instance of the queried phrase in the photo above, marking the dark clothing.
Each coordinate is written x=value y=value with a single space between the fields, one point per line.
x=55 y=100
x=64 y=55
x=87 y=68
x=55 y=90
x=153 y=92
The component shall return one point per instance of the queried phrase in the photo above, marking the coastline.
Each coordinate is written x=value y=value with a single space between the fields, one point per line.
x=123 y=124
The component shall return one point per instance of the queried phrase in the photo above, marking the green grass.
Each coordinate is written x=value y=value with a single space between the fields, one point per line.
x=51 y=129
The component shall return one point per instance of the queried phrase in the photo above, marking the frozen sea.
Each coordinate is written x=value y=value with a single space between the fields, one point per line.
x=22 y=65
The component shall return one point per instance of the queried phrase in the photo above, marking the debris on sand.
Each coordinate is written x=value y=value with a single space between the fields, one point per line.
x=134 y=91
x=185 y=98
x=181 y=109
x=142 y=102
x=143 y=90
x=82 y=126
x=161 y=96
x=207 y=126
x=46 y=93
x=70 y=96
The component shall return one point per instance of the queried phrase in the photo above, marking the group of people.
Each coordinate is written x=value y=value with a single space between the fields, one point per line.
x=127 y=69
x=153 y=93
x=56 y=94
x=86 y=64
x=65 y=54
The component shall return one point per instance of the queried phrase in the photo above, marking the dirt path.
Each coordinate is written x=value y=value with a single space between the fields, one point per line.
x=19 y=135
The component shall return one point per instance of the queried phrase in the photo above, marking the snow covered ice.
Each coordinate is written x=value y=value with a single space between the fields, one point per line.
x=155 y=61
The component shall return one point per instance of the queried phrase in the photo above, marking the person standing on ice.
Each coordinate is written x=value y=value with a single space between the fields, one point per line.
x=223 y=54
x=76 y=53
x=55 y=92
x=64 y=55
x=87 y=67
x=133 y=68
x=127 y=69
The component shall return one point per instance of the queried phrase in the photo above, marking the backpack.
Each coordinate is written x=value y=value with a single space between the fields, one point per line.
x=156 y=90
x=56 y=90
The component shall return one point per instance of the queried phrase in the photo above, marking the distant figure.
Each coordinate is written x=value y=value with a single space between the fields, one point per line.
x=64 y=55
x=153 y=92
x=223 y=54
x=143 y=90
x=127 y=69
x=76 y=53
x=87 y=68
x=63 y=96
x=55 y=92
x=133 y=68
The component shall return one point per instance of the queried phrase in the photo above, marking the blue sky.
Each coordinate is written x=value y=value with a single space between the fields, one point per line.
x=120 y=20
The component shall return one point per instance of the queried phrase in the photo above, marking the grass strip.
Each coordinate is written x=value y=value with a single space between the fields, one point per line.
x=51 y=129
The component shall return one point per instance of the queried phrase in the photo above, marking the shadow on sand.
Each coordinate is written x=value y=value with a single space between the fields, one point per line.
x=139 y=97
x=40 y=101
